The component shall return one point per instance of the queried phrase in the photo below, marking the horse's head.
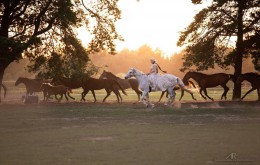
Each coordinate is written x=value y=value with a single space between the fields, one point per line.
x=56 y=81
x=186 y=78
x=130 y=73
x=19 y=80
x=103 y=75
x=44 y=86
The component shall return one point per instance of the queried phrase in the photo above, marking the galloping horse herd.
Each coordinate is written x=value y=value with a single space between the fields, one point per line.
x=111 y=83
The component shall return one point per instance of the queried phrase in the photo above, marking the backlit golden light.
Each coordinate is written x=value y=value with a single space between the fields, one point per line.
x=156 y=23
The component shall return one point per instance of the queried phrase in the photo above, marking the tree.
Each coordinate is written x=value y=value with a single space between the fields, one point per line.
x=39 y=29
x=212 y=32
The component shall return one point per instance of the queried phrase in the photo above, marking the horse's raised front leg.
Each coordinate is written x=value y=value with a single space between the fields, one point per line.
x=205 y=91
x=171 y=99
x=70 y=96
x=145 y=97
x=182 y=93
x=224 y=95
x=94 y=95
x=248 y=93
x=118 y=96
x=108 y=94
x=65 y=94
x=83 y=94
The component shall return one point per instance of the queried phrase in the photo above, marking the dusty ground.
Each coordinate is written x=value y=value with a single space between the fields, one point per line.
x=128 y=133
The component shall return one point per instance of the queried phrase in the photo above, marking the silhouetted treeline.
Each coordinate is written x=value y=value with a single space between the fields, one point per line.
x=120 y=63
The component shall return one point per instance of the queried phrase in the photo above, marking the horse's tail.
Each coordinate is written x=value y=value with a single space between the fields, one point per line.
x=5 y=89
x=122 y=89
x=180 y=83
x=192 y=84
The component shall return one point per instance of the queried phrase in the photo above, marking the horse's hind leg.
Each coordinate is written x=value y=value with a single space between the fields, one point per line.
x=118 y=96
x=163 y=92
x=202 y=94
x=171 y=98
x=138 y=92
x=225 y=91
x=193 y=97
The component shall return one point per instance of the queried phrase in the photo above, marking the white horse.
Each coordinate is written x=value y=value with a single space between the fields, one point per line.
x=163 y=83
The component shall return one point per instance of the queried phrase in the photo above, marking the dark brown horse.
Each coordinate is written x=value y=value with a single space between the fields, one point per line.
x=208 y=81
x=31 y=85
x=125 y=83
x=5 y=90
x=109 y=85
x=182 y=92
x=254 y=79
x=72 y=83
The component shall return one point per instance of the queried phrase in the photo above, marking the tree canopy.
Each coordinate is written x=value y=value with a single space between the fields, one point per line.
x=40 y=29
x=215 y=30
x=224 y=33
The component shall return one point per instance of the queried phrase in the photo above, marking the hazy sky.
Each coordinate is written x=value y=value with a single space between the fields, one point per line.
x=156 y=23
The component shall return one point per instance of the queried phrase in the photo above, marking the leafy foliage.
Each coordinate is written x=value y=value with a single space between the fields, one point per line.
x=214 y=30
x=45 y=32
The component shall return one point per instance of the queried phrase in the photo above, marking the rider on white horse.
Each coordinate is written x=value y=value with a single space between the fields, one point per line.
x=153 y=74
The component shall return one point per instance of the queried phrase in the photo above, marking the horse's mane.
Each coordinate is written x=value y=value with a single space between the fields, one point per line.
x=138 y=70
x=199 y=73
x=112 y=74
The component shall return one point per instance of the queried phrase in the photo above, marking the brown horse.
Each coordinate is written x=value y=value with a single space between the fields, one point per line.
x=5 y=90
x=72 y=83
x=32 y=85
x=182 y=92
x=109 y=85
x=55 y=90
x=129 y=83
x=254 y=79
x=207 y=81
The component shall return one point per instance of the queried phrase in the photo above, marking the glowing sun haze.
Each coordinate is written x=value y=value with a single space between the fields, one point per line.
x=156 y=23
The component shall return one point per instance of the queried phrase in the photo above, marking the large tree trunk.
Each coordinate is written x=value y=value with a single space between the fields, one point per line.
x=2 y=69
x=3 y=66
x=239 y=51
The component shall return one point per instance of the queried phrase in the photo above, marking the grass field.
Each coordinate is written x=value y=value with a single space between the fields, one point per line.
x=88 y=133
x=75 y=133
